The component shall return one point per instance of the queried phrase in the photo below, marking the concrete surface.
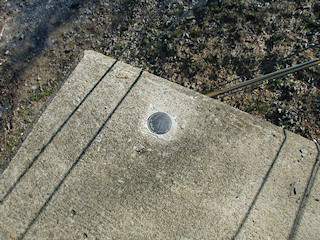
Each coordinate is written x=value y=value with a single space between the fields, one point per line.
x=219 y=173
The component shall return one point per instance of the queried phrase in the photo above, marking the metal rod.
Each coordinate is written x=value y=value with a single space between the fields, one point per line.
x=268 y=76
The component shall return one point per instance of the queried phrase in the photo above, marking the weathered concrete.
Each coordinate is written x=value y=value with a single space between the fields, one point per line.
x=218 y=173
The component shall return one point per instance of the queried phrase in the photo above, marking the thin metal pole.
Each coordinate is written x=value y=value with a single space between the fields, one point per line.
x=268 y=76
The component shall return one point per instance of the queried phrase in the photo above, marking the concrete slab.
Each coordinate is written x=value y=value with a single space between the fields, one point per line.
x=218 y=173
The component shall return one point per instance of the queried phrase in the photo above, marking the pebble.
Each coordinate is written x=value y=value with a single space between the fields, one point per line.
x=302 y=151
x=13 y=236
x=121 y=181
x=317 y=199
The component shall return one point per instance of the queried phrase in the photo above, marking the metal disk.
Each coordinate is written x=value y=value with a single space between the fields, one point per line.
x=159 y=123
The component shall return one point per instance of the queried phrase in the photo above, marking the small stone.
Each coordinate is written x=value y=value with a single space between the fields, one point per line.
x=317 y=199
x=121 y=181
x=13 y=236
x=295 y=190
x=302 y=151
x=299 y=160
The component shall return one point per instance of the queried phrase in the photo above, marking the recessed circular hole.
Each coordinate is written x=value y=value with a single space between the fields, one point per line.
x=159 y=123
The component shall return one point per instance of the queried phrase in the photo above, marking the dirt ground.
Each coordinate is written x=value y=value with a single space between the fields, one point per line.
x=40 y=41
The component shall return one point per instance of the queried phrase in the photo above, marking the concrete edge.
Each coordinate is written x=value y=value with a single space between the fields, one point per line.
x=27 y=131
x=295 y=229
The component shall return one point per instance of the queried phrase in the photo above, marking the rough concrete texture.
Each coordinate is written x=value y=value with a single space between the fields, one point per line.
x=218 y=173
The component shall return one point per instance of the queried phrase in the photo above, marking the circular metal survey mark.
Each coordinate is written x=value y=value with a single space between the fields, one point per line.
x=159 y=123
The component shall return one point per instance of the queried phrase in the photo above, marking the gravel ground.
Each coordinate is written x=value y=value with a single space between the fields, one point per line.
x=41 y=40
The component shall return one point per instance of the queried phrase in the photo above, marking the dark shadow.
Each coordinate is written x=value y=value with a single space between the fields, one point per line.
x=78 y=158
x=306 y=195
x=35 y=21
x=30 y=28
x=261 y=187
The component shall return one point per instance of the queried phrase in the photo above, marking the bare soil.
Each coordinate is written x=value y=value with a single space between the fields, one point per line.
x=40 y=41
